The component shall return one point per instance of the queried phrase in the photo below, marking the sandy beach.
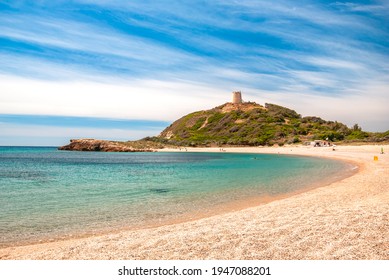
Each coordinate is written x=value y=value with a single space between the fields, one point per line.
x=347 y=219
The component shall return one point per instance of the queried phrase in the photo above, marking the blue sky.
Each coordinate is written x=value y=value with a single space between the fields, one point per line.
x=125 y=69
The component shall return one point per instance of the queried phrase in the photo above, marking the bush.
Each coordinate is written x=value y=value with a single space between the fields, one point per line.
x=357 y=134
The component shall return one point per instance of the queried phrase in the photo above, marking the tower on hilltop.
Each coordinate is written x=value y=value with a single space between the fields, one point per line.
x=236 y=97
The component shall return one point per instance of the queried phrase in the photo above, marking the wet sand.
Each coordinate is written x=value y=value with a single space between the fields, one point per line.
x=347 y=219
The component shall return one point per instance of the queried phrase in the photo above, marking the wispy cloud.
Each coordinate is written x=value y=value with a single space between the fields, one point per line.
x=380 y=7
x=76 y=43
x=160 y=60
x=143 y=99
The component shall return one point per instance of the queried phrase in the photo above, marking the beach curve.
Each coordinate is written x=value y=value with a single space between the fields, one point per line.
x=348 y=219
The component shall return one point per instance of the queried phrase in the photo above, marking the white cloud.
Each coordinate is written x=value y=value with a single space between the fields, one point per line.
x=366 y=106
x=137 y=99
x=334 y=63
x=73 y=35
x=313 y=78
x=379 y=9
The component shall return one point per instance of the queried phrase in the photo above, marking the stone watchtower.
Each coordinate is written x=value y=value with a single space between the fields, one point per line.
x=236 y=97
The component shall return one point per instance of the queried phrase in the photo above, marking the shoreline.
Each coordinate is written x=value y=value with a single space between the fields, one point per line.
x=165 y=242
x=232 y=205
x=196 y=214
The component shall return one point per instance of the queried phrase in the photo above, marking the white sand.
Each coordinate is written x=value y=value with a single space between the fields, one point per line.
x=348 y=219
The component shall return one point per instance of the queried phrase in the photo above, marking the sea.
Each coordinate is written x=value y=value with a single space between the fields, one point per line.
x=47 y=194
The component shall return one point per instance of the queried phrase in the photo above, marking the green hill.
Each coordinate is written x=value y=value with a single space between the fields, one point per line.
x=252 y=124
x=243 y=124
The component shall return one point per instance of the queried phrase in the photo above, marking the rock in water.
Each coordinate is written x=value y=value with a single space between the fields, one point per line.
x=93 y=145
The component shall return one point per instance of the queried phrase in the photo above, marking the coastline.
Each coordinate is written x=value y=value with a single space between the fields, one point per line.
x=346 y=219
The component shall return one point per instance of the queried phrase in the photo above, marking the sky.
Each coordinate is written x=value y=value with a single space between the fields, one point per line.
x=124 y=70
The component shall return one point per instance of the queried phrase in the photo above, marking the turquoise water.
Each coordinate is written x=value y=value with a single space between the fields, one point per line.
x=49 y=194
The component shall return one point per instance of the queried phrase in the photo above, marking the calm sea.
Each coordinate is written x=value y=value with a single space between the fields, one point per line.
x=47 y=194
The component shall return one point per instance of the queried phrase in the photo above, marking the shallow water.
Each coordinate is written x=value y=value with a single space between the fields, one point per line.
x=49 y=194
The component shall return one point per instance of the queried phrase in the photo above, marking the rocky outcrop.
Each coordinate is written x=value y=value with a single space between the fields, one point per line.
x=93 y=145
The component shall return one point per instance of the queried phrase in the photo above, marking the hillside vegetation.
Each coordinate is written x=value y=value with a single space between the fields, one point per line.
x=252 y=124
